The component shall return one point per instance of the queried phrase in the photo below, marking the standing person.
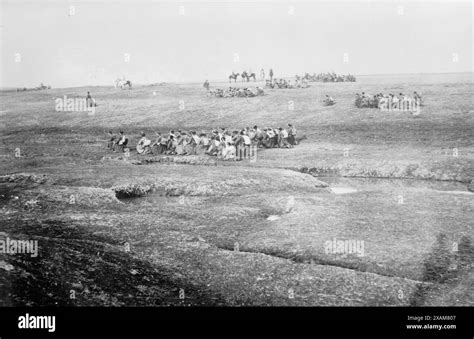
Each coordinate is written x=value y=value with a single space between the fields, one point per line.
x=90 y=101
x=271 y=75
x=223 y=149
x=275 y=137
x=206 y=85
x=122 y=141
x=282 y=138
x=291 y=135
x=241 y=144
x=383 y=102
x=236 y=140
x=196 y=138
x=262 y=74
x=172 y=144
x=400 y=101
x=214 y=145
x=395 y=102
x=181 y=140
x=203 y=144
x=157 y=143
x=258 y=136
x=163 y=145
x=271 y=137
x=251 y=134
x=247 y=143
x=111 y=143
x=417 y=98
x=228 y=137
x=230 y=152
x=193 y=141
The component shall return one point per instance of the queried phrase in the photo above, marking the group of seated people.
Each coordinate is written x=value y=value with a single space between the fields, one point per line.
x=223 y=143
x=387 y=102
x=236 y=92
x=328 y=101
x=117 y=143
x=328 y=77
x=282 y=83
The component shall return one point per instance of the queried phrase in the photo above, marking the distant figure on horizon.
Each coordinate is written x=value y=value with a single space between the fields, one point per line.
x=206 y=85
x=90 y=102
x=233 y=76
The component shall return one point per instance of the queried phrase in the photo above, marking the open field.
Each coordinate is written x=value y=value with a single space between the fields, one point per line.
x=198 y=231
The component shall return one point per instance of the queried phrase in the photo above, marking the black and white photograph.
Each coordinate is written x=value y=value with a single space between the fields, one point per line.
x=234 y=155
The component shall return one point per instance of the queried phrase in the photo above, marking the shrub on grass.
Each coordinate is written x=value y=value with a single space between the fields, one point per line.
x=438 y=261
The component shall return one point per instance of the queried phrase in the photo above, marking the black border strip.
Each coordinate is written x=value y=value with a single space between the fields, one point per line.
x=240 y=321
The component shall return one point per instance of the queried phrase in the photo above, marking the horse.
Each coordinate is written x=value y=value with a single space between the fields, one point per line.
x=122 y=83
x=126 y=83
x=233 y=76
x=247 y=76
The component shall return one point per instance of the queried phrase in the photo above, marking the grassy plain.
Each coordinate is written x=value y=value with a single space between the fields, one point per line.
x=202 y=226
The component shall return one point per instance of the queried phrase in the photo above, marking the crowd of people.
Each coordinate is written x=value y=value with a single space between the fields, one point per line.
x=236 y=92
x=387 y=101
x=327 y=77
x=39 y=88
x=282 y=83
x=222 y=143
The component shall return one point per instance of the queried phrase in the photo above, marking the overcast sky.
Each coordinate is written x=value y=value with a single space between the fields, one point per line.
x=89 y=43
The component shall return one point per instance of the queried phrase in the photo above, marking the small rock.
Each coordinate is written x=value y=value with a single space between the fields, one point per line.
x=342 y=190
x=77 y=285
x=6 y=266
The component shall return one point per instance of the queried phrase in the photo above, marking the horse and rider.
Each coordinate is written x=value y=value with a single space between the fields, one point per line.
x=233 y=76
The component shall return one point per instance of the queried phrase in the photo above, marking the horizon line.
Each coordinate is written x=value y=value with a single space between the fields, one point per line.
x=222 y=80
